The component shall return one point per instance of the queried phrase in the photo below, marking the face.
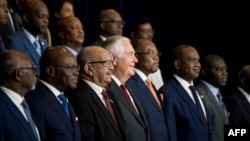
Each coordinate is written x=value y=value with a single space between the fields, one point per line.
x=66 y=10
x=217 y=73
x=144 y=31
x=102 y=71
x=66 y=72
x=188 y=65
x=125 y=64
x=3 y=12
x=38 y=18
x=113 y=25
x=27 y=71
x=148 y=58
x=74 y=34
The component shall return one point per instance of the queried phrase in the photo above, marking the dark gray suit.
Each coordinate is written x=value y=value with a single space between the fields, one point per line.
x=136 y=124
x=215 y=112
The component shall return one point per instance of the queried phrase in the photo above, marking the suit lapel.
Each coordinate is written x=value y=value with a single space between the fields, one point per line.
x=15 y=111
x=50 y=98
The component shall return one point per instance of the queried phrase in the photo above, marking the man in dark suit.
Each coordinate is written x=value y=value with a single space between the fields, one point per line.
x=3 y=20
x=148 y=62
x=239 y=106
x=16 y=78
x=213 y=76
x=188 y=117
x=98 y=121
x=27 y=39
x=55 y=116
x=125 y=60
x=110 y=23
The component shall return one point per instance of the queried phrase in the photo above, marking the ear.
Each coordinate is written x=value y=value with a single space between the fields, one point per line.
x=61 y=35
x=103 y=25
x=56 y=14
x=50 y=71
x=204 y=72
x=177 y=64
x=18 y=75
x=25 y=17
x=132 y=34
x=88 y=69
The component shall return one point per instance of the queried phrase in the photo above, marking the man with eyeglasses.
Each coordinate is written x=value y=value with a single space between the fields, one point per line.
x=98 y=111
x=148 y=62
x=17 y=77
x=110 y=23
x=55 y=116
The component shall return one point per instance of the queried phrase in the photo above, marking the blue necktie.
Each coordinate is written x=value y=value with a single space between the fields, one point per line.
x=30 y=119
x=64 y=103
x=37 y=47
x=223 y=107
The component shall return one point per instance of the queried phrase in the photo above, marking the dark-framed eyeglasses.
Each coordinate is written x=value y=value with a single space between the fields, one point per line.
x=105 y=63
x=69 y=68
x=115 y=21
x=33 y=68
x=151 y=53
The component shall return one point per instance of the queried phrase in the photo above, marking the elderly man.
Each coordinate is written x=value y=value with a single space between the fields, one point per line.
x=17 y=77
x=123 y=53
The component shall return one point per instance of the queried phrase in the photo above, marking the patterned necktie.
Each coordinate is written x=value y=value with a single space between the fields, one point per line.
x=197 y=101
x=223 y=107
x=152 y=90
x=29 y=117
x=108 y=105
x=64 y=103
x=37 y=47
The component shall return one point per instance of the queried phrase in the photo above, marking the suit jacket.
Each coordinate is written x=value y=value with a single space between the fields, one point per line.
x=239 y=109
x=50 y=116
x=95 y=120
x=13 y=125
x=98 y=42
x=19 y=41
x=136 y=123
x=215 y=112
x=155 y=116
x=184 y=120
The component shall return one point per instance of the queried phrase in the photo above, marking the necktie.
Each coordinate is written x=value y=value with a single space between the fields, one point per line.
x=30 y=119
x=108 y=105
x=198 y=104
x=124 y=89
x=152 y=90
x=64 y=103
x=37 y=47
x=2 y=45
x=223 y=107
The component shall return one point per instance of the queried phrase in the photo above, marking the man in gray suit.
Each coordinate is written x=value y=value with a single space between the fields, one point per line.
x=123 y=55
x=213 y=76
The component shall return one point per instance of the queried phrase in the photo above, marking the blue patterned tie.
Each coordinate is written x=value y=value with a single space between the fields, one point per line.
x=37 y=47
x=30 y=119
x=223 y=107
x=64 y=103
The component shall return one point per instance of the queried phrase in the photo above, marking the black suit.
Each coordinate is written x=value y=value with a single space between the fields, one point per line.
x=136 y=124
x=95 y=121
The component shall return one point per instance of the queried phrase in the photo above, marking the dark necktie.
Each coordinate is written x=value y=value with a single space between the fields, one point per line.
x=124 y=89
x=108 y=105
x=64 y=103
x=223 y=107
x=29 y=117
x=197 y=101
x=2 y=45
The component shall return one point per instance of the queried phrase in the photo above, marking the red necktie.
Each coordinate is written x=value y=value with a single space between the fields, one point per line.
x=108 y=105
x=124 y=89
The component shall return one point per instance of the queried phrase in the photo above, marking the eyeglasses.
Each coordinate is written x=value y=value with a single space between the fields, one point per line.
x=105 y=63
x=33 y=68
x=151 y=53
x=69 y=68
x=116 y=22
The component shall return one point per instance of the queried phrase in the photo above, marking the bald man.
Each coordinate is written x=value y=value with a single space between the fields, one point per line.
x=54 y=115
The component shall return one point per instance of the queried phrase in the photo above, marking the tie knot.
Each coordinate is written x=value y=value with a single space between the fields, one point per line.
x=62 y=97
x=192 y=88
x=24 y=104
x=104 y=93
x=148 y=81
